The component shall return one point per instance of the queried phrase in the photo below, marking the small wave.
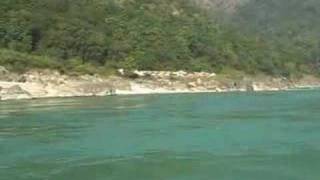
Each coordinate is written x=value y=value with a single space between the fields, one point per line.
x=131 y=107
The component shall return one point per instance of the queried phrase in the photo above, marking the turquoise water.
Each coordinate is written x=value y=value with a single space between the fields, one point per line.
x=232 y=136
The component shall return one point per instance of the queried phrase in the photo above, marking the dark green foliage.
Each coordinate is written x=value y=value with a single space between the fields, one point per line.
x=90 y=35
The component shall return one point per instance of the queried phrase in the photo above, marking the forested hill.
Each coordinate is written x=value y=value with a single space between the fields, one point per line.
x=291 y=27
x=100 y=35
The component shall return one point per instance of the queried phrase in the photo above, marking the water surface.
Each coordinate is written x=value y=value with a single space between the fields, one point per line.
x=232 y=136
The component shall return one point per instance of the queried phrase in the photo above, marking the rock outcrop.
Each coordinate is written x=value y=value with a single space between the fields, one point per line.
x=165 y=74
x=47 y=83
x=14 y=92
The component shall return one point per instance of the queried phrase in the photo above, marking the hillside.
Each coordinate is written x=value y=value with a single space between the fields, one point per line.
x=291 y=26
x=98 y=36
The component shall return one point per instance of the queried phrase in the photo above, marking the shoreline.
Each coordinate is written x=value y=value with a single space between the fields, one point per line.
x=51 y=84
x=161 y=92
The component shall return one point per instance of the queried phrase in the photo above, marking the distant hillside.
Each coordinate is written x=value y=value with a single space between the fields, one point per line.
x=99 y=35
x=289 y=25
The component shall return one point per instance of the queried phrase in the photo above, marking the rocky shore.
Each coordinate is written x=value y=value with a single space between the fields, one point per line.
x=48 y=83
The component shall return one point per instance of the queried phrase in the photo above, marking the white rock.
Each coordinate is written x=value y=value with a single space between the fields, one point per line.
x=139 y=73
x=213 y=75
x=181 y=73
x=121 y=72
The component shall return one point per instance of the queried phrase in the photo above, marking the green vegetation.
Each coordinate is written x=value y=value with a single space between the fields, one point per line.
x=97 y=36
x=290 y=27
x=19 y=62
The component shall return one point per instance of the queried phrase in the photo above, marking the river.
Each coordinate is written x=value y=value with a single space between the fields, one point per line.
x=227 y=136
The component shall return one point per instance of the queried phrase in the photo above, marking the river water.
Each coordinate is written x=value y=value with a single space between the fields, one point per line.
x=228 y=136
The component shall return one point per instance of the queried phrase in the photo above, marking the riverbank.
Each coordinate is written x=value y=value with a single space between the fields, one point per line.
x=49 y=84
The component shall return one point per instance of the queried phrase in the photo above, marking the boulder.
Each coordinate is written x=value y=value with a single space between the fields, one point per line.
x=192 y=85
x=139 y=73
x=121 y=72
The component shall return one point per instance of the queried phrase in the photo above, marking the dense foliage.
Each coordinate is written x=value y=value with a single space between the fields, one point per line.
x=290 y=27
x=149 y=34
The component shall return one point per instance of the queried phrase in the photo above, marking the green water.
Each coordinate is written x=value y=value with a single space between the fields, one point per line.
x=232 y=136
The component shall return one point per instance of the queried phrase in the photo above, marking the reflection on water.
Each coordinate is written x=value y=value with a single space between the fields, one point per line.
x=200 y=136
